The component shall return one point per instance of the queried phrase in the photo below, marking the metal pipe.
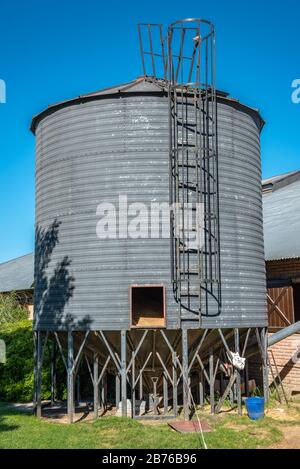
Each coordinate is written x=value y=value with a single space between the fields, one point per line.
x=283 y=333
x=275 y=338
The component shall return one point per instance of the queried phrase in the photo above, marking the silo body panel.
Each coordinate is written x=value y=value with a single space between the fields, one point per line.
x=86 y=155
x=92 y=152
x=241 y=225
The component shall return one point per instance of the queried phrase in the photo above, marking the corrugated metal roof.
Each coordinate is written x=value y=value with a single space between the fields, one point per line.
x=139 y=85
x=17 y=274
x=281 y=209
x=276 y=182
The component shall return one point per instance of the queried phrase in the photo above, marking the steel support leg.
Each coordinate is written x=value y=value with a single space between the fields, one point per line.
x=211 y=381
x=185 y=377
x=117 y=382
x=265 y=368
x=174 y=377
x=155 y=397
x=103 y=392
x=38 y=373
x=165 y=390
x=35 y=371
x=141 y=387
x=70 y=405
x=78 y=390
x=201 y=388
x=123 y=373
x=95 y=384
x=53 y=371
x=133 y=385
x=238 y=378
x=246 y=374
x=231 y=396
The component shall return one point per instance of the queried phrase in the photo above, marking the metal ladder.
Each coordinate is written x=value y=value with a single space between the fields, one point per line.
x=194 y=174
x=188 y=73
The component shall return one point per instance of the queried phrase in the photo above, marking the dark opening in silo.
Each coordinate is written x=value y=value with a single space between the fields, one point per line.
x=147 y=305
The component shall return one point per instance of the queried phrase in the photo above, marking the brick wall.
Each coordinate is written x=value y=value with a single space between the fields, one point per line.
x=283 y=354
x=288 y=367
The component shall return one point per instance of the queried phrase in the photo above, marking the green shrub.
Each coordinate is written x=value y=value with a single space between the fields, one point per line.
x=10 y=309
x=16 y=375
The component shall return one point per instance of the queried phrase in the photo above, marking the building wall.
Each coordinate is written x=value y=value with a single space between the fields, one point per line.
x=287 y=271
x=29 y=308
x=287 y=357
x=288 y=364
x=283 y=269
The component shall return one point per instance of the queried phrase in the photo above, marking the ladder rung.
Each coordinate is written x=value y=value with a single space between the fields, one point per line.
x=185 y=185
x=188 y=250
x=189 y=292
x=189 y=229
x=192 y=166
x=203 y=280
x=209 y=280
x=193 y=145
x=189 y=271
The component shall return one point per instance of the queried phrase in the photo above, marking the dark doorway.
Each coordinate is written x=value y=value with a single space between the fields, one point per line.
x=296 y=289
x=147 y=306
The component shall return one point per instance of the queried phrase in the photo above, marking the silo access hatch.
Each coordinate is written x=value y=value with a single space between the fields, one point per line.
x=147 y=306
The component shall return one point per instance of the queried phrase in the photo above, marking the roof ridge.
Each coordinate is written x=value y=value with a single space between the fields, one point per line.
x=280 y=175
x=16 y=258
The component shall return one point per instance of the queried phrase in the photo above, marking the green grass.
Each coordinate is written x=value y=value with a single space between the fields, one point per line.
x=21 y=430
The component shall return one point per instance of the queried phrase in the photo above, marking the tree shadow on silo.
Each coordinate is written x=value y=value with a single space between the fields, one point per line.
x=54 y=284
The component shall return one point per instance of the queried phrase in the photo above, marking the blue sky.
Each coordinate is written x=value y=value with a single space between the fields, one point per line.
x=51 y=50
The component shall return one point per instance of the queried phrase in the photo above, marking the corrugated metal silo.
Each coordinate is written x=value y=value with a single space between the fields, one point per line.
x=136 y=298
x=100 y=146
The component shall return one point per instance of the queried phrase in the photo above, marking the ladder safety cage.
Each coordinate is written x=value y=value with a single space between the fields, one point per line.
x=189 y=75
x=152 y=49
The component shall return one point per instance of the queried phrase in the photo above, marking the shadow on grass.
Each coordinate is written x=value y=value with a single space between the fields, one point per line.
x=5 y=427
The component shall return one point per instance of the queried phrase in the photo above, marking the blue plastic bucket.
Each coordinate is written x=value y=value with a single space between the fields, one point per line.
x=255 y=407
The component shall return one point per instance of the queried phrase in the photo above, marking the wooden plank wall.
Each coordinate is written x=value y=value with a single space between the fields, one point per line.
x=283 y=269
x=280 y=307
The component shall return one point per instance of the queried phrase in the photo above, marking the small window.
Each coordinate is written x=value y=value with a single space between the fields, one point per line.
x=147 y=306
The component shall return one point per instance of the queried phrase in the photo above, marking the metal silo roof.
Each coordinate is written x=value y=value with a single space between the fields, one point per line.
x=17 y=274
x=281 y=212
x=139 y=85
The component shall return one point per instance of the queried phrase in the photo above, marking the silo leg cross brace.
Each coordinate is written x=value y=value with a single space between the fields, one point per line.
x=170 y=368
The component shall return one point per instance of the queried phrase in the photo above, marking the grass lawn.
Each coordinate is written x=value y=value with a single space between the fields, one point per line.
x=22 y=430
